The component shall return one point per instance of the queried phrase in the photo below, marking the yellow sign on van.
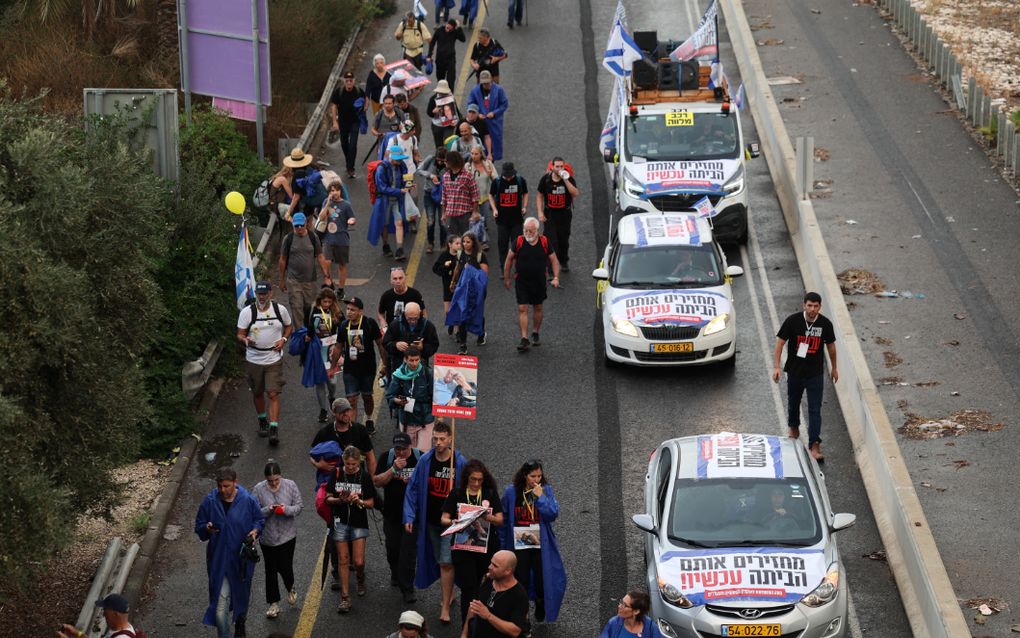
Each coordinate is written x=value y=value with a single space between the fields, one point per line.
x=680 y=118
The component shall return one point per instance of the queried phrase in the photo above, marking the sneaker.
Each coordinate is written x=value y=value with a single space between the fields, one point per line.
x=370 y=426
x=386 y=250
x=239 y=628
x=351 y=174
x=816 y=451
x=345 y=605
x=274 y=434
x=449 y=330
x=523 y=345
x=339 y=293
x=292 y=597
x=428 y=249
x=462 y=349
x=481 y=339
x=510 y=25
x=534 y=339
x=322 y=416
x=273 y=611
x=399 y=255
x=409 y=597
x=263 y=427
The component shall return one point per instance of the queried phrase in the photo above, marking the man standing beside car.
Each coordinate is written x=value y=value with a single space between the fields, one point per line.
x=802 y=335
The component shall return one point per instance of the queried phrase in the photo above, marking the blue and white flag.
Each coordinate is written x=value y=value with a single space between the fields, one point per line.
x=704 y=41
x=738 y=98
x=419 y=10
x=244 y=273
x=621 y=51
x=717 y=77
x=608 y=137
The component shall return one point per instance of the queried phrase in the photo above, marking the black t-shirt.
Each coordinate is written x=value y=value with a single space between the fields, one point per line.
x=509 y=604
x=374 y=84
x=525 y=510
x=482 y=54
x=795 y=331
x=393 y=492
x=509 y=198
x=389 y=123
x=489 y=498
x=344 y=100
x=355 y=435
x=226 y=506
x=532 y=260
x=555 y=195
x=440 y=485
x=443 y=42
x=480 y=125
x=359 y=483
x=362 y=335
x=476 y=260
x=391 y=305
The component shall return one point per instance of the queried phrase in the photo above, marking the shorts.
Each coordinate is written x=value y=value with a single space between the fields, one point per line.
x=441 y=545
x=530 y=292
x=262 y=379
x=343 y=533
x=337 y=254
x=358 y=383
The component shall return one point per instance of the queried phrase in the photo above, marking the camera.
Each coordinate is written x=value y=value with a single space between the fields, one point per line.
x=249 y=551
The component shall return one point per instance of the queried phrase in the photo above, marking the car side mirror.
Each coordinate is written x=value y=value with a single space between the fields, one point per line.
x=842 y=521
x=753 y=149
x=600 y=274
x=733 y=271
x=644 y=522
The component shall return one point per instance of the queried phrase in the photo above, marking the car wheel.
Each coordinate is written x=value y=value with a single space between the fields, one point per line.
x=742 y=234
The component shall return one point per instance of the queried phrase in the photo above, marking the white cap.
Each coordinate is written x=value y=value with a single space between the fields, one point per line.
x=412 y=618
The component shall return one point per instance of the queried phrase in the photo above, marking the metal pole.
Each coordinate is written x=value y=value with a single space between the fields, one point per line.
x=258 y=75
x=106 y=566
x=182 y=43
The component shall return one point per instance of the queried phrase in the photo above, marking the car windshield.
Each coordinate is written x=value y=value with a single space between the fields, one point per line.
x=747 y=512
x=695 y=136
x=666 y=267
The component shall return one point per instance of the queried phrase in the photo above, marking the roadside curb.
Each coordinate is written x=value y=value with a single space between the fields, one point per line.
x=159 y=513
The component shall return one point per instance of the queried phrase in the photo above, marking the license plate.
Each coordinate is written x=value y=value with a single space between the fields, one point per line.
x=686 y=346
x=752 y=630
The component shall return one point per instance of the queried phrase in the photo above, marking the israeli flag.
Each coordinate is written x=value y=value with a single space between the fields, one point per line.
x=608 y=137
x=419 y=10
x=621 y=51
x=717 y=77
x=738 y=98
x=704 y=207
x=244 y=272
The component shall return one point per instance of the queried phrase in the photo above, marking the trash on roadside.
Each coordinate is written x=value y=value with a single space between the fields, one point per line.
x=782 y=80
x=960 y=464
x=878 y=555
x=951 y=342
x=954 y=393
x=850 y=222
x=957 y=423
x=915 y=236
x=959 y=316
x=210 y=457
x=857 y=281
x=987 y=605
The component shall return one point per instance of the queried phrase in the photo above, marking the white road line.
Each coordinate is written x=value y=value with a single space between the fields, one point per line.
x=763 y=337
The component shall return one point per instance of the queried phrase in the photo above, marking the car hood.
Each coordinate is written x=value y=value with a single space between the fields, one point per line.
x=694 y=176
x=675 y=307
x=743 y=574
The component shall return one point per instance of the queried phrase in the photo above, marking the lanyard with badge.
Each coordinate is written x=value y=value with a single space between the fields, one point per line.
x=802 y=347
x=327 y=320
x=352 y=349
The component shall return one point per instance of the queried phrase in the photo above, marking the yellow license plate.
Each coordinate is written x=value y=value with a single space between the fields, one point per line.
x=680 y=118
x=752 y=630
x=686 y=346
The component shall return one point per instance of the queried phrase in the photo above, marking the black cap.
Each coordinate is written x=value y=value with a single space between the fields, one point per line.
x=114 y=602
x=509 y=170
x=263 y=288
x=401 y=439
x=356 y=302
x=348 y=76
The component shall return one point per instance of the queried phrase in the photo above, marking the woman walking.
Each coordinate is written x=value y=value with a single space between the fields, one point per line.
x=378 y=78
x=411 y=625
x=324 y=320
x=631 y=619
x=280 y=500
x=530 y=508
x=473 y=546
x=467 y=305
x=350 y=493
x=444 y=267
x=484 y=172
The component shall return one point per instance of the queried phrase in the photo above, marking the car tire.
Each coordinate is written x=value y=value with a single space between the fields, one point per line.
x=742 y=234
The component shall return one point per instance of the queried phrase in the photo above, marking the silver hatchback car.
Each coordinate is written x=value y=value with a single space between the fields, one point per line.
x=740 y=540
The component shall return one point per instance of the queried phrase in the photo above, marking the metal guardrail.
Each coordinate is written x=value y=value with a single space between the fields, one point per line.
x=111 y=575
x=924 y=586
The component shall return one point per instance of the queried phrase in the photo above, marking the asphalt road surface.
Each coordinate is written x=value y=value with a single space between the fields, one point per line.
x=593 y=427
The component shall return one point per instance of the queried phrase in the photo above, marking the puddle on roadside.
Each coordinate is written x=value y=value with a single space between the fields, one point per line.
x=215 y=453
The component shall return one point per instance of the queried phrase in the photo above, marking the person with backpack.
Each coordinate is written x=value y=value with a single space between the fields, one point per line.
x=338 y=217
x=445 y=265
x=557 y=191
x=299 y=253
x=460 y=195
x=431 y=170
x=409 y=394
x=115 y=612
x=532 y=255
x=389 y=209
x=413 y=35
x=264 y=327
x=508 y=199
x=392 y=474
x=351 y=494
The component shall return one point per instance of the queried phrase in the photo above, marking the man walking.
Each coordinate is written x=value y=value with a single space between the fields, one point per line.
x=487 y=54
x=413 y=35
x=501 y=608
x=115 y=613
x=492 y=105
x=410 y=395
x=407 y=330
x=264 y=327
x=394 y=472
x=460 y=195
x=394 y=301
x=508 y=198
x=359 y=339
x=443 y=50
x=229 y=520
x=802 y=335
x=557 y=191
x=299 y=253
x=532 y=255
x=347 y=106
x=339 y=218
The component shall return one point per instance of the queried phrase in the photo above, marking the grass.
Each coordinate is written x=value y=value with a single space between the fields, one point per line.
x=140 y=522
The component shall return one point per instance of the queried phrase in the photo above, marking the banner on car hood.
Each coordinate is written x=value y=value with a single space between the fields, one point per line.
x=669 y=307
x=729 y=455
x=758 y=575
x=663 y=178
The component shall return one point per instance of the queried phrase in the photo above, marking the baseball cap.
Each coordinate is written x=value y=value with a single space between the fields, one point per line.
x=116 y=602
x=407 y=126
x=348 y=76
x=341 y=405
x=412 y=619
x=263 y=288
x=299 y=219
x=509 y=170
x=401 y=439
x=472 y=108
x=325 y=450
x=356 y=302
x=485 y=76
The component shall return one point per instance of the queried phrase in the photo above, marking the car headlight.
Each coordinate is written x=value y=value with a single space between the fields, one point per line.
x=735 y=184
x=717 y=324
x=625 y=327
x=825 y=592
x=632 y=186
x=673 y=596
x=666 y=629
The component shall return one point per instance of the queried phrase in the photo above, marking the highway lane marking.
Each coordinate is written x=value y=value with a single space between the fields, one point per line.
x=313 y=599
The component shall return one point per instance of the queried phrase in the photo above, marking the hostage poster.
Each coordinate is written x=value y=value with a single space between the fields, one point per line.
x=729 y=455
x=670 y=307
x=455 y=388
x=471 y=532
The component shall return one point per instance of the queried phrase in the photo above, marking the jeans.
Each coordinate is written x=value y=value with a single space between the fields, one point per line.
x=279 y=561
x=432 y=220
x=458 y=224
x=349 y=142
x=557 y=229
x=516 y=11
x=400 y=554
x=795 y=387
x=506 y=234
x=223 y=628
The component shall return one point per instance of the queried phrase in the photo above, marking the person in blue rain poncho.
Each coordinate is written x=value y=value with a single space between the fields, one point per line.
x=492 y=105
x=388 y=212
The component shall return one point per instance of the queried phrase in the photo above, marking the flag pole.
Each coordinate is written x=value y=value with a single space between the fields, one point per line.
x=453 y=451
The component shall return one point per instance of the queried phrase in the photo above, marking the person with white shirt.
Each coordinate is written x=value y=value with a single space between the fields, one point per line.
x=264 y=327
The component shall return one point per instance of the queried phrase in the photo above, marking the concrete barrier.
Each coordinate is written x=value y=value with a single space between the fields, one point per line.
x=924 y=585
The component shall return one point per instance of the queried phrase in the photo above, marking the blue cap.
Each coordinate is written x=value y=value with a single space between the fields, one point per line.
x=325 y=450
x=114 y=602
x=299 y=219
x=397 y=153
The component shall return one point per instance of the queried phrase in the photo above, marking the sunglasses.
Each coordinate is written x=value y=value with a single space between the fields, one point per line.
x=532 y=464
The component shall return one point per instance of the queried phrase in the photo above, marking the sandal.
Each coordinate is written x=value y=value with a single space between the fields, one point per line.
x=345 y=604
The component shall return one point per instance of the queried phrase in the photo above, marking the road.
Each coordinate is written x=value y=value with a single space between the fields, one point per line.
x=593 y=427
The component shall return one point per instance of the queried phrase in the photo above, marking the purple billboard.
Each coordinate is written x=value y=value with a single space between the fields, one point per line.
x=218 y=58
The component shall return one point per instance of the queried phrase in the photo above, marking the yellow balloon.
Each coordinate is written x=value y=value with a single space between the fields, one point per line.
x=235 y=202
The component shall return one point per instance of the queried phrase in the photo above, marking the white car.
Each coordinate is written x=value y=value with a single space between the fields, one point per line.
x=665 y=293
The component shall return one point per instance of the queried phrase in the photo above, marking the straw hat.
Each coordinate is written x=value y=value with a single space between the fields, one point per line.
x=442 y=86
x=298 y=158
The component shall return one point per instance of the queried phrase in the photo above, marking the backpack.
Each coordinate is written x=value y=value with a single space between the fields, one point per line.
x=288 y=241
x=260 y=198
x=542 y=240
x=255 y=314
x=437 y=192
x=370 y=178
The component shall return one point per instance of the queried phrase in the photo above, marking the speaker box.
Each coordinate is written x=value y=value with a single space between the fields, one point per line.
x=644 y=74
x=647 y=41
x=668 y=80
x=689 y=75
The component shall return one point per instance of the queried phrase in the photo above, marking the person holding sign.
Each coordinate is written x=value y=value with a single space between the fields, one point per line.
x=410 y=395
x=349 y=492
x=802 y=335
x=530 y=509
x=475 y=499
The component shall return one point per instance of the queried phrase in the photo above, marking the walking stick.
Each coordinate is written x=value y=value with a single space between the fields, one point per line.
x=369 y=154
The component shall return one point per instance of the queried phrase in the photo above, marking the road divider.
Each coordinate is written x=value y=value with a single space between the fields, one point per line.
x=925 y=589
